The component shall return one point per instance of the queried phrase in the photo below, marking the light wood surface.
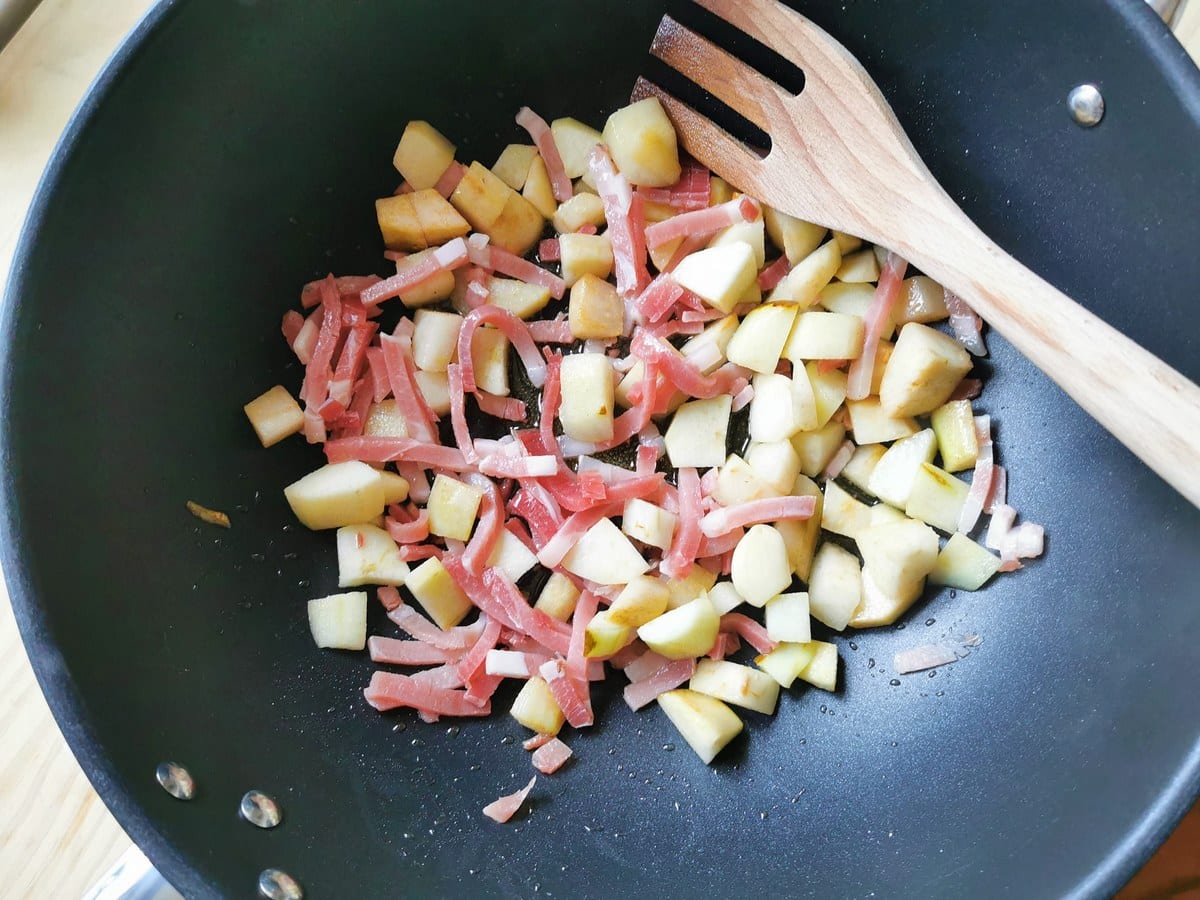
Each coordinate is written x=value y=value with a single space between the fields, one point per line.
x=56 y=837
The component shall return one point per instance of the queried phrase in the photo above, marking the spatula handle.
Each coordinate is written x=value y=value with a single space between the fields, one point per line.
x=1147 y=405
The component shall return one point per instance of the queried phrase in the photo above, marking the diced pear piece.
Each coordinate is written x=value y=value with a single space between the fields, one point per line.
x=452 y=507
x=749 y=232
x=795 y=237
x=644 y=521
x=418 y=220
x=662 y=255
x=605 y=556
x=575 y=142
x=339 y=621
x=585 y=254
x=720 y=191
x=898 y=554
x=937 y=498
x=697 y=433
x=431 y=290
x=684 y=632
x=921 y=300
x=834 y=586
x=787 y=617
x=775 y=462
x=580 y=210
x=395 y=487
x=643 y=599
x=495 y=209
x=824 y=335
x=489 y=356
x=717 y=335
x=337 y=494
x=853 y=300
x=435 y=339
x=958 y=444
x=773 y=409
x=274 y=415
x=760 y=568
x=595 y=310
x=885 y=514
x=816 y=448
x=586 y=411
x=604 y=636
x=801 y=535
x=737 y=684
x=438 y=593
x=706 y=723
x=786 y=662
x=520 y=298
x=384 y=419
x=724 y=597
x=513 y=165
x=862 y=465
x=842 y=513
x=893 y=476
x=718 y=275
x=538 y=190
x=822 y=670
x=829 y=391
x=558 y=597
x=737 y=482
x=847 y=243
x=872 y=424
x=511 y=556
x=423 y=155
x=698 y=581
x=435 y=390
x=641 y=140
x=925 y=368
x=536 y=708
x=804 y=399
x=880 y=608
x=368 y=555
x=803 y=284
x=858 y=267
x=964 y=564
x=759 y=340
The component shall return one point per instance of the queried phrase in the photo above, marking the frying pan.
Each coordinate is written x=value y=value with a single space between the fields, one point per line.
x=231 y=151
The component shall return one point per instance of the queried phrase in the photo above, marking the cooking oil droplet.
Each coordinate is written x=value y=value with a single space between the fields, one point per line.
x=275 y=884
x=260 y=809
x=175 y=780
x=895 y=682
x=940 y=694
x=398 y=727
x=669 y=747
x=932 y=673
x=929 y=622
x=452 y=731
x=303 y=583
x=871 y=663
x=415 y=742
x=508 y=739
x=853 y=645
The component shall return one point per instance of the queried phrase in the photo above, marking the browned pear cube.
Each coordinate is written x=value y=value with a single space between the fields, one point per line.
x=438 y=220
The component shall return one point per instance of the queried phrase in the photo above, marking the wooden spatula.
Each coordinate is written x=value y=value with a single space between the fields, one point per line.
x=839 y=158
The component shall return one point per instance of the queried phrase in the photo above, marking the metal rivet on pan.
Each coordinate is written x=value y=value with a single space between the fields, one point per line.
x=275 y=884
x=1086 y=104
x=260 y=809
x=175 y=780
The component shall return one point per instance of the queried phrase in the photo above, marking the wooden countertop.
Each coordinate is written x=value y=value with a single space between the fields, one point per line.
x=56 y=837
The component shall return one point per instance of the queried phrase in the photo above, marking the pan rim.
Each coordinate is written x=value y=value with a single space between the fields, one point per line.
x=1114 y=869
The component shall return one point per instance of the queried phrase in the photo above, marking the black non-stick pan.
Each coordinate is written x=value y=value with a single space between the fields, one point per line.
x=232 y=151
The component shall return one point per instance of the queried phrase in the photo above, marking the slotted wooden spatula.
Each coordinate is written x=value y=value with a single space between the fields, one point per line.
x=840 y=158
